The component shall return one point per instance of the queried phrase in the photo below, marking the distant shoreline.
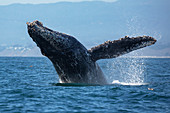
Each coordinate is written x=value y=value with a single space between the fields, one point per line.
x=117 y=57
x=145 y=57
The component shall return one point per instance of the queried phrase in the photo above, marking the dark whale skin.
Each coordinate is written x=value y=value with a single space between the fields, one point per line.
x=72 y=61
x=70 y=58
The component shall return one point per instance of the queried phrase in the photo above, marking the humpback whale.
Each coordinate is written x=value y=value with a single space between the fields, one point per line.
x=72 y=61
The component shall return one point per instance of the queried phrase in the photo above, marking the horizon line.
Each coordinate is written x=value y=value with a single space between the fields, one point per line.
x=117 y=57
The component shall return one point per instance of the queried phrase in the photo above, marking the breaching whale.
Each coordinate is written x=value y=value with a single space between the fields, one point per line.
x=72 y=61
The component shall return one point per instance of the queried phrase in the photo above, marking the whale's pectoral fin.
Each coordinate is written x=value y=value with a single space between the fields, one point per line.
x=112 y=49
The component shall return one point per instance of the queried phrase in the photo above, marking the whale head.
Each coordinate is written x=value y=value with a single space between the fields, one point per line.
x=50 y=42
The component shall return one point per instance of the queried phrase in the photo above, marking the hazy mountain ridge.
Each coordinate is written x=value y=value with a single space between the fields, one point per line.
x=89 y=22
x=34 y=51
x=19 y=50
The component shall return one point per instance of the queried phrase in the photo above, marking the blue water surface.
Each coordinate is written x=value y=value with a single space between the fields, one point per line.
x=30 y=84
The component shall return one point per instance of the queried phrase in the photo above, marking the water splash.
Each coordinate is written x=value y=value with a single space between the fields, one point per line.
x=128 y=84
x=136 y=68
x=125 y=70
x=136 y=28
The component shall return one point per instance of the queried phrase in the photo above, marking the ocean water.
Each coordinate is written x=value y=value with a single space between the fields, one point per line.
x=135 y=85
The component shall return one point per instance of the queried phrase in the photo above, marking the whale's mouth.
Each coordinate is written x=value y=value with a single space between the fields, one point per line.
x=57 y=40
x=50 y=42
x=36 y=30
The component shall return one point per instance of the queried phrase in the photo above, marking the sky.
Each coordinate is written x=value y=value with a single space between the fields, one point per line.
x=8 y=2
x=107 y=21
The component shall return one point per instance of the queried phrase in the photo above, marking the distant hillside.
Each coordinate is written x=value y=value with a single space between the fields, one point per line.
x=90 y=22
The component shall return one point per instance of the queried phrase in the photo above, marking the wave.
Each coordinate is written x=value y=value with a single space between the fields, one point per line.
x=115 y=82
x=129 y=84
x=74 y=84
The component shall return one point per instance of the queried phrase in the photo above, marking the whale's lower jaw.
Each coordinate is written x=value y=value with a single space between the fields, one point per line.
x=46 y=38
